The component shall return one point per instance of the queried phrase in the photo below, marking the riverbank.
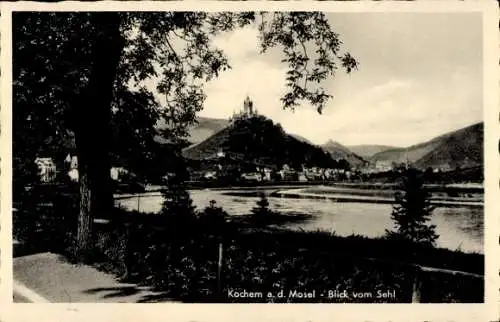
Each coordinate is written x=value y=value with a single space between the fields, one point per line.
x=447 y=196
x=242 y=185
x=372 y=196
x=459 y=227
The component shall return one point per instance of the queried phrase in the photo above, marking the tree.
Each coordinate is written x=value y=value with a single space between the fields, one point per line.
x=72 y=71
x=344 y=164
x=429 y=174
x=261 y=214
x=177 y=203
x=412 y=211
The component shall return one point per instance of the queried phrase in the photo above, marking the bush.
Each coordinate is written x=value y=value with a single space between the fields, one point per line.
x=45 y=219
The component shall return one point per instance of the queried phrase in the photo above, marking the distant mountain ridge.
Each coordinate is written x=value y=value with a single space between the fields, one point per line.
x=201 y=130
x=338 y=151
x=205 y=128
x=460 y=148
x=368 y=150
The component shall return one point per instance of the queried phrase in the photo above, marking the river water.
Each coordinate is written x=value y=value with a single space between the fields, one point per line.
x=457 y=227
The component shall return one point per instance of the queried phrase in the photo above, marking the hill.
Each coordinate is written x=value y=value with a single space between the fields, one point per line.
x=207 y=126
x=338 y=151
x=461 y=148
x=204 y=128
x=301 y=138
x=259 y=140
x=367 y=151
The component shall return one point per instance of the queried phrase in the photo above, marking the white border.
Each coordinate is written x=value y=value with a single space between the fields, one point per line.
x=263 y=312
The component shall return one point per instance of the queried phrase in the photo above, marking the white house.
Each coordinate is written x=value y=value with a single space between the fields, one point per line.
x=383 y=166
x=252 y=176
x=73 y=174
x=47 y=169
x=210 y=175
x=115 y=172
x=72 y=160
x=302 y=177
x=267 y=174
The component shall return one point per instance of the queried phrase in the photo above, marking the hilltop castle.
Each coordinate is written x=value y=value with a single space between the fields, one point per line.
x=247 y=112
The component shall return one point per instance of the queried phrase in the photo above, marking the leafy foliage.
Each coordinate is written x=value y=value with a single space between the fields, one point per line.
x=43 y=220
x=173 y=48
x=64 y=64
x=295 y=32
x=412 y=211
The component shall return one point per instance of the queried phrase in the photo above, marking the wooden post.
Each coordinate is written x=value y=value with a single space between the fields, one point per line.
x=332 y=231
x=219 y=270
x=128 y=254
x=138 y=202
x=415 y=296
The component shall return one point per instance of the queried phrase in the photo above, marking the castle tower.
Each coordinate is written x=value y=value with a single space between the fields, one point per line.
x=248 y=106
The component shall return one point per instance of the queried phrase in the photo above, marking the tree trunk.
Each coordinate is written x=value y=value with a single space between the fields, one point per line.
x=92 y=132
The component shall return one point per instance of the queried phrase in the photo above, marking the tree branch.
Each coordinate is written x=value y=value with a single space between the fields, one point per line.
x=307 y=61
x=174 y=52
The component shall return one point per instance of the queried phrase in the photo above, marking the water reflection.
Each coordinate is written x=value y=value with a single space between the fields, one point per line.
x=458 y=227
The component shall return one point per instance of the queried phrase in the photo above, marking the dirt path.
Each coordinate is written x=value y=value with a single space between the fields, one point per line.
x=54 y=279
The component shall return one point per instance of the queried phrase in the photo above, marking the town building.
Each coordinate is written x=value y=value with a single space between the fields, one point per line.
x=383 y=166
x=72 y=166
x=267 y=174
x=210 y=175
x=71 y=163
x=302 y=177
x=117 y=173
x=47 y=169
x=251 y=176
x=287 y=173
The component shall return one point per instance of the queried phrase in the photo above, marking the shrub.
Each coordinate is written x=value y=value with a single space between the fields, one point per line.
x=45 y=218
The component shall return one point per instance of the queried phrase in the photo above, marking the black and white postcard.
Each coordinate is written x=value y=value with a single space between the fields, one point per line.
x=250 y=153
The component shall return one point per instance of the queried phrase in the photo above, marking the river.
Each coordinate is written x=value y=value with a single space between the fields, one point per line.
x=457 y=227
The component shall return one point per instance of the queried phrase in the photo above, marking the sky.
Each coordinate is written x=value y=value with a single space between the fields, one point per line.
x=420 y=75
